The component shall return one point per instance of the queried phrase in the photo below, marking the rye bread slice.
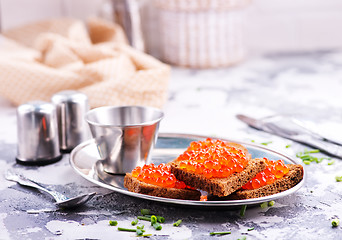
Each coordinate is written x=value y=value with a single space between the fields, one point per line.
x=134 y=185
x=219 y=186
x=291 y=179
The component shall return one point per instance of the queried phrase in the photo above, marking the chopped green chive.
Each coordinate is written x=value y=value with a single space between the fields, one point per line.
x=139 y=232
x=153 y=219
x=113 y=223
x=288 y=146
x=157 y=226
x=219 y=233
x=160 y=219
x=129 y=229
x=141 y=227
x=243 y=210
x=271 y=203
x=252 y=141
x=243 y=238
x=250 y=229
x=265 y=143
x=312 y=151
x=176 y=224
x=145 y=211
x=331 y=162
x=148 y=218
x=307 y=158
x=134 y=222
x=264 y=205
x=144 y=218
x=338 y=178
x=335 y=222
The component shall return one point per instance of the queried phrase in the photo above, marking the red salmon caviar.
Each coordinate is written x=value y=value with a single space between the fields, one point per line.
x=158 y=175
x=204 y=198
x=213 y=158
x=274 y=170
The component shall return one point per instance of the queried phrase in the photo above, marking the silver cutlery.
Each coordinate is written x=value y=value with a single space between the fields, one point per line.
x=290 y=129
x=61 y=200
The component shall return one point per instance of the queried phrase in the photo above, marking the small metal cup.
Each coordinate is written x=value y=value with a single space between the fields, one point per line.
x=125 y=136
x=37 y=134
x=71 y=108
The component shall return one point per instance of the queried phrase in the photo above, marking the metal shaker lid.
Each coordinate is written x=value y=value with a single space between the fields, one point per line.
x=71 y=108
x=37 y=131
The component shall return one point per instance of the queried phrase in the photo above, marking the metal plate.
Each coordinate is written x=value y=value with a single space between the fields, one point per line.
x=84 y=160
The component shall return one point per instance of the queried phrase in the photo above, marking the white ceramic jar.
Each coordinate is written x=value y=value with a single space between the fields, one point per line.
x=201 y=33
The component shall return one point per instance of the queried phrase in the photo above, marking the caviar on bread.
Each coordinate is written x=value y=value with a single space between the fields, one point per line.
x=276 y=178
x=158 y=181
x=216 y=166
x=223 y=169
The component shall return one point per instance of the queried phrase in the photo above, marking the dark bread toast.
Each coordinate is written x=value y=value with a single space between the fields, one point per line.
x=134 y=185
x=219 y=186
x=292 y=178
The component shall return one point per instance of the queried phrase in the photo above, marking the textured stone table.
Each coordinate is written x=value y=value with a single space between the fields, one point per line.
x=307 y=86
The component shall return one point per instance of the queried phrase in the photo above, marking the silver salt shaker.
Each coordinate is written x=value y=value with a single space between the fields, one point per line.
x=71 y=108
x=37 y=131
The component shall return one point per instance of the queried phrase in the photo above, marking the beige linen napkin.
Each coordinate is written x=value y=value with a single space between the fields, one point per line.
x=40 y=59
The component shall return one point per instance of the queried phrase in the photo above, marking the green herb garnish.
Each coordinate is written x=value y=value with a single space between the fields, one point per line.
x=130 y=229
x=264 y=205
x=250 y=229
x=265 y=143
x=312 y=151
x=139 y=232
x=176 y=224
x=157 y=226
x=271 y=203
x=331 y=162
x=153 y=219
x=288 y=146
x=145 y=211
x=144 y=218
x=148 y=218
x=306 y=162
x=243 y=210
x=134 y=222
x=113 y=223
x=307 y=158
x=220 y=233
x=335 y=222
x=338 y=178
x=160 y=219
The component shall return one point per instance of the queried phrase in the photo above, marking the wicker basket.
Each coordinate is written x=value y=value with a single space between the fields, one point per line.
x=201 y=33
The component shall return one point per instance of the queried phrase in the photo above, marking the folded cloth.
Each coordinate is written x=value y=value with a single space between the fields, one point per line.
x=40 y=59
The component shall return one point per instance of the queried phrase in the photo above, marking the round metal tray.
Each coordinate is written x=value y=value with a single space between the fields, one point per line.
x=84 y=159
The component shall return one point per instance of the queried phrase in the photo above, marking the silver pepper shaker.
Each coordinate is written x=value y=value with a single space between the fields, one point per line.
x=37 y=131
x=71 y=108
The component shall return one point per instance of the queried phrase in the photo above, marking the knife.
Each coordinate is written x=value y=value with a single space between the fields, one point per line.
x=293 y=132
x=316 y=134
